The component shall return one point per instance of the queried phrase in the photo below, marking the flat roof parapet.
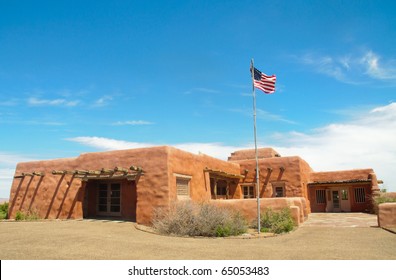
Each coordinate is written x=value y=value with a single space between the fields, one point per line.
x=251 y=154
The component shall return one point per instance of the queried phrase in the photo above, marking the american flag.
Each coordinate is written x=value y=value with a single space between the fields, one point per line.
x=264 y=82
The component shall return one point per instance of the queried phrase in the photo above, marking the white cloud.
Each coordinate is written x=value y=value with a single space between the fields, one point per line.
x=8 y=163
x=376 y=69
x=138 y=122
x=262 y=115
x=102 y=143
x=213 y=149
x=202 y=90
x=103 y=101
x=54 y=102
x=368 y=141
x=352 y=69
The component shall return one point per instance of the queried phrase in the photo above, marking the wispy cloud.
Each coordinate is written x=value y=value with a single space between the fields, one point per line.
x=33 y=101
x=352 y=68
x=201 y=90
x=8 y=162
x=103 y=101
x=10 y=102
x=137 y=122
x=378 y=70
x=263 y=115
x=102 y=143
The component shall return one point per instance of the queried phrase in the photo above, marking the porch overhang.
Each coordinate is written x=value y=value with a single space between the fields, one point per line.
x=223 y=174
x=339 y=182
x=119 y=173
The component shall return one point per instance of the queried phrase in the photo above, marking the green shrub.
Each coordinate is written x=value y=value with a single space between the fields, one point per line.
x=4 y=210
x=191 y=219
x=28 y=216
x=277 y=221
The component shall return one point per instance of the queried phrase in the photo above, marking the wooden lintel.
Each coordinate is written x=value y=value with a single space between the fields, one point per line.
x=120 y=169
x=27 y=174
x=135 y=168
x=94 y=172
x=222 y=173
x=38 y=173
x=104 y=170
x=81 y=172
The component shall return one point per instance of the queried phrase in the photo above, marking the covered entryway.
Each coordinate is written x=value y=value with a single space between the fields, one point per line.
x=108 y=193
x=109 y=199
x=338 y=200
x=340 y=196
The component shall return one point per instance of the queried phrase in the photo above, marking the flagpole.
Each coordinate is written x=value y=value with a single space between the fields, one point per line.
x=255 y=149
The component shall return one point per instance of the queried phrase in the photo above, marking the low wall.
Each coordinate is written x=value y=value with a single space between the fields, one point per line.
x=387 y=215
x=248 y=207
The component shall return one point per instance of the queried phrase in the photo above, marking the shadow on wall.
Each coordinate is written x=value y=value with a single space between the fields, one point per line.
x=28 y=189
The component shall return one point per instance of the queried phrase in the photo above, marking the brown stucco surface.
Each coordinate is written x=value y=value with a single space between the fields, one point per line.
x=110 y=240
x=387 y=215
x=342 y=175
x=60 y=196
x=251 y=154
x=64 y=196
x=282 y=169
x=248 y=207
x=184 y=163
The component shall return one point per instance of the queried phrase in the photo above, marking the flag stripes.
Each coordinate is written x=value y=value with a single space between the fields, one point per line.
x=264 y=82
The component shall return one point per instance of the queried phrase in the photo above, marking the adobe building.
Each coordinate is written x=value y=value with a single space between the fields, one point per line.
x=131 y=184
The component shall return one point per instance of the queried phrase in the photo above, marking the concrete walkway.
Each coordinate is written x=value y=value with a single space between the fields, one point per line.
x=341 y=220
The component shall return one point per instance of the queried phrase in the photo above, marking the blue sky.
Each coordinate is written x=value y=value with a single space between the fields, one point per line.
x=80 y=76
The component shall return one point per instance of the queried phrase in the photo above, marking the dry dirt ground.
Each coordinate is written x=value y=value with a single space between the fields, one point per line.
x=121 y=240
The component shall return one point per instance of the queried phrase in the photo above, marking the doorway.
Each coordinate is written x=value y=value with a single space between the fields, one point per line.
x=338 y=200
x=109 y=199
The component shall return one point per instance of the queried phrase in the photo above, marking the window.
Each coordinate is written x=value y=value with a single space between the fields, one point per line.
x=360 y=195
x=182 y=187
x=344 y=194
x=320 y=196
x=219 y=188
x=248 y=192
x=222 y=188
x=278 y=189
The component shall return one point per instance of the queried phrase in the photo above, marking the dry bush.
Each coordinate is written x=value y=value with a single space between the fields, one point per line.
x=188 y=218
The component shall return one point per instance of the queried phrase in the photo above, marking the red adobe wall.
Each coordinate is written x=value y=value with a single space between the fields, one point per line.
x=185 y=163
x=349 y=179
x=387 y=215
x=57 y=196
x=342 y=175
x=295 y=175
x=248 y=207
x=61 y=196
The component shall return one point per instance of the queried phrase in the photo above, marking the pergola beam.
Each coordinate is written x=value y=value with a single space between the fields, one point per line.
x=223 y=174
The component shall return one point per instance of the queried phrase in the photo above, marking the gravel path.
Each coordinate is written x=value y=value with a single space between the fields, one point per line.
x=115 y=240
